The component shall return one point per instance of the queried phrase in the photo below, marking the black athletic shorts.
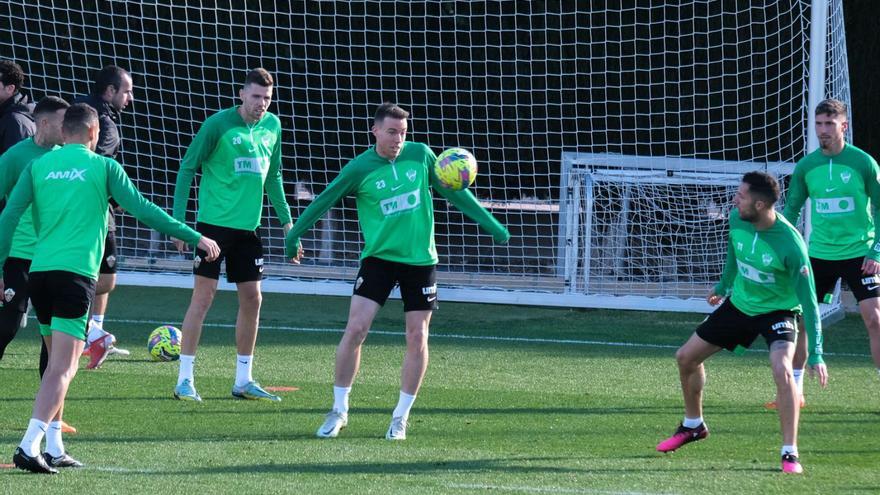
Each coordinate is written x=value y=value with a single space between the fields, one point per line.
x=15 y=279
x=826 y=273
x=108 y=260
x=61 y=301
x=729 y=327
x=242 y=250
x=418 y=284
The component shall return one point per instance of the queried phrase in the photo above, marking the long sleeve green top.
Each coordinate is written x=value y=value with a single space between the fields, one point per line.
x=395 y=206
x=769 y=270
x=845 y=195
x=237 y=160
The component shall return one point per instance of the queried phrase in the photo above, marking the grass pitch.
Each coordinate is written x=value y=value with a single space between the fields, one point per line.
x=516 y=400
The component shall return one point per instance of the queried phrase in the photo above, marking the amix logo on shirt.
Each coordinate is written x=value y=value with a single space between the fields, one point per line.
x=402 y=202
x=72 y=174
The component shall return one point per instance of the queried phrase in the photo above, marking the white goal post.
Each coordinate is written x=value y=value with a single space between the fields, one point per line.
x=683 y=95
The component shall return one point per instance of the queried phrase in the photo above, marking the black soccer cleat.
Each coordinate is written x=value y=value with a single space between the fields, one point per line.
x=36 y=464
x=62 y=461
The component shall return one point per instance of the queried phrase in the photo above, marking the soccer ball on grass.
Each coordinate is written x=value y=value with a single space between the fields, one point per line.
x=164 y=343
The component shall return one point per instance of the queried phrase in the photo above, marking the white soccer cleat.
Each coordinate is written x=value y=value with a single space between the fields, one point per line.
x=118 y=351
x=397 y=429
x=335 y=421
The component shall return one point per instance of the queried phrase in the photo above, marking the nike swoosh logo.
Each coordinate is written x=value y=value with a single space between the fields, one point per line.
x=432 y=299
x=243 y=362
x=872 y=287
x=394 y=188
x=829 y=189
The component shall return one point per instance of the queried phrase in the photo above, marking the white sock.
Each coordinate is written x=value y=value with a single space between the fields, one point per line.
x=187 y=363
x=97 y=321
x=340 y=398
x=692 y=422
x=798 y=379
x=878 y=370
x=789 y=449
x=244 y=366
x=54 y=444
x=36 y=430
x=95 y=333
x=404 y=404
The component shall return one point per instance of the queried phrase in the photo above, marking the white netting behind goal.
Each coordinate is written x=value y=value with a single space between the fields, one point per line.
x=522 y=84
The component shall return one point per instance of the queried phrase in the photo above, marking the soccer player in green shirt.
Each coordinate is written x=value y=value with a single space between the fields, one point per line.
x=68 y=190
x=239 y=152
x=766 y=281
x=842 y=182
x=48 y=115
x=391 y=182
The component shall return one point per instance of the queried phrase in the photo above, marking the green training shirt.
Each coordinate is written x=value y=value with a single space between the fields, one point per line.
x=68 y=189
x=844 y=194
x=12 y=163
x=395 y=206
x=237 y=160
x=769 y=270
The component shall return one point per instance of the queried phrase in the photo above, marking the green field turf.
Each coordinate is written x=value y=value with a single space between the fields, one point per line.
x=516 y=400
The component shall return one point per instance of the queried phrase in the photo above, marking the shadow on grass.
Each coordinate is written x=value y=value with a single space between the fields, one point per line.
x=501 y=466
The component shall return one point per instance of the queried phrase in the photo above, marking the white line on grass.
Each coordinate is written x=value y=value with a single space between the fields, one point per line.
x=538 y=489
x=530 y=340
x=111 y=469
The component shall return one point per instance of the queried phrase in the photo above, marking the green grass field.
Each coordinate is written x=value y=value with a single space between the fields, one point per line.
x=516 y=400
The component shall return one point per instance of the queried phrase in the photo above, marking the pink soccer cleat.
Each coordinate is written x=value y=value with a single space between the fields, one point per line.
x=790 y=464
x=682 y=436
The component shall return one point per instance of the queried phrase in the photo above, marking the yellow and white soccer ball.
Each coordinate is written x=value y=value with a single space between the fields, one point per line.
x=456 y=168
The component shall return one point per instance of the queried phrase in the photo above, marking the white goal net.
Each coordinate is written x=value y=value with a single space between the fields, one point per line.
x=657 y=104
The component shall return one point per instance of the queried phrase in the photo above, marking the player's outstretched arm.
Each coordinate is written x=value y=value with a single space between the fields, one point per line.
x=121 y=188
x=342 y=185
x=467 y=203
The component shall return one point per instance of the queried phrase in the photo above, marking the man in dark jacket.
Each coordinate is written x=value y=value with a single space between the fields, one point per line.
x=111 y=93
x=16 y=121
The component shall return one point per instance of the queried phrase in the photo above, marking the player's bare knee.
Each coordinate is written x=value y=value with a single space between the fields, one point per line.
x=684 y=359
x=781 y=371
x=356 y=332
x=417 y=336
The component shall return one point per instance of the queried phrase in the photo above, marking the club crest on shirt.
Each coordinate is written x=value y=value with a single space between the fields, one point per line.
x=267 y=141
x=739 y=246
x=411 y=175
x=767 y=258
x=845 y=177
